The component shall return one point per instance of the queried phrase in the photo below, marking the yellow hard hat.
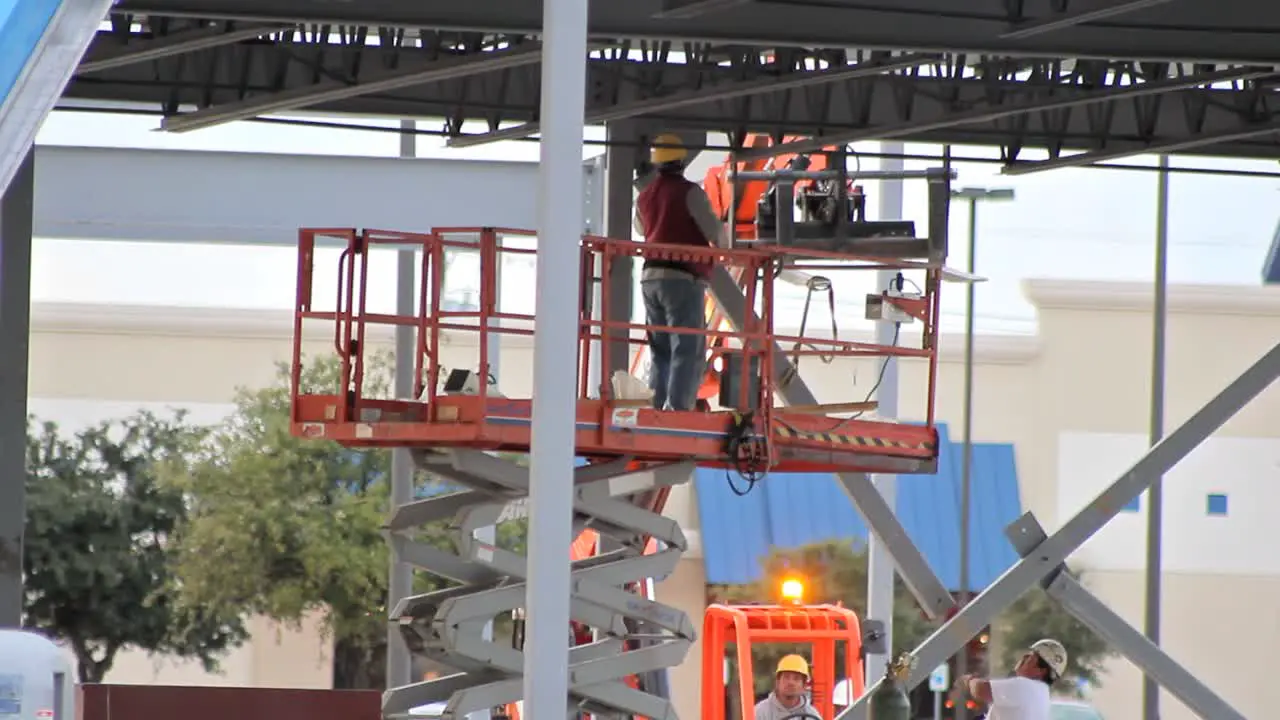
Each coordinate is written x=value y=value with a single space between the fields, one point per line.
x=673 y=149
x=793 y=663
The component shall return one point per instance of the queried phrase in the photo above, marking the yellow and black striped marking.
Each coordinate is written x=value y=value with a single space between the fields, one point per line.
x=862 y=441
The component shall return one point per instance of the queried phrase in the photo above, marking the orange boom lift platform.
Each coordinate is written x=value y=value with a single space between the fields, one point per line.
x=749 y=432
x=456 y=417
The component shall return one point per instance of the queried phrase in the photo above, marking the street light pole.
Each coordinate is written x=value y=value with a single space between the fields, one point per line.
x=973 y=196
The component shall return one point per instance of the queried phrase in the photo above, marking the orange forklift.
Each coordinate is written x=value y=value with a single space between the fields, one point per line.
x=730 y=632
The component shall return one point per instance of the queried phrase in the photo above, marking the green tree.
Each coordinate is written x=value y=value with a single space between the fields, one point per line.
x=1035 y=615
x=284 y=527
x=832 y=572
x=97 y=550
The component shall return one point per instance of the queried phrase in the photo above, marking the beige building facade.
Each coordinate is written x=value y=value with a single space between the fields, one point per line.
x=1072 y=399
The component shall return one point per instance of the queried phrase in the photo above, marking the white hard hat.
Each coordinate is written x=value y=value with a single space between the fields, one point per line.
x=1053 y=655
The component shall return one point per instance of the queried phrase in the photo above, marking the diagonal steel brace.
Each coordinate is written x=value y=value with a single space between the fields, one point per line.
x=933 y=596
x=1053 y=551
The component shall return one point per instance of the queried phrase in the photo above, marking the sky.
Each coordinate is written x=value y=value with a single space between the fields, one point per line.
x=1063 y=224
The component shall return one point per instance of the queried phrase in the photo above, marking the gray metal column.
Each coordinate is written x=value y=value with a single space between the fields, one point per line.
x=1155 y=496
x=15 y=330
x=557 y=286
x=880 y=561
x=620 y=163
x=400 y=582
x=966 y=468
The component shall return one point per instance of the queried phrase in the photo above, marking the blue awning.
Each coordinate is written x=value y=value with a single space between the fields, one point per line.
x=789 y=511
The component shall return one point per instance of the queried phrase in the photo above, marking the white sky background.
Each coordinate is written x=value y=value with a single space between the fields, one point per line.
x=1065 y=224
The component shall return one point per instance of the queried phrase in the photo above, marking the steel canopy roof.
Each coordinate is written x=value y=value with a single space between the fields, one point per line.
x=1112 y=78
x=1240 y=31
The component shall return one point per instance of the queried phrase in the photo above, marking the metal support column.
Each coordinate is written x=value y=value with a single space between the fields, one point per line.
x=1053 y=551
x=966 y=467
x=400 y=582
x=880 y=561
x=1155 y=496
x=972 y=196
x=15 y=330
x=560 y=223
x=620 y=164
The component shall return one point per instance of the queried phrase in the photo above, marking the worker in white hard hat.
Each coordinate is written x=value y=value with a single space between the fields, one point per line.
x=671 y=210
x=789 y=698
x=1025 y=695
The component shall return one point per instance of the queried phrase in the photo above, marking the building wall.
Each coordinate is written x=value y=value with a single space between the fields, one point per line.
x=1073 y=400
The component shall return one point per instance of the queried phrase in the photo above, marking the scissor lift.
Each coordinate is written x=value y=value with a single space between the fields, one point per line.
x=457 y=421
x=748 y=433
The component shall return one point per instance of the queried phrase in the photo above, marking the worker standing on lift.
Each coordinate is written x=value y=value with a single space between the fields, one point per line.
x=788 y=698
x=671 y=210
x=1025 y=696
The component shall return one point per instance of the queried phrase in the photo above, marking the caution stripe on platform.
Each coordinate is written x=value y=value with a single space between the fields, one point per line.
x=863 y=441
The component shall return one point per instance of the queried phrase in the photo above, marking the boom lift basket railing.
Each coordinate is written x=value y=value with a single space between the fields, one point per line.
x=456 y=403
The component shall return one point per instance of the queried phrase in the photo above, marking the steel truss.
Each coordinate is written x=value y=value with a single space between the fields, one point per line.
x=448 y=625
x=1113 y=108
x=1173 y=30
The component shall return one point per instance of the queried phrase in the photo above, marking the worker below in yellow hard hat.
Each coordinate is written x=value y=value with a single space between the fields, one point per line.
x=1025 y=695
x=789 y=697
x=671 y=210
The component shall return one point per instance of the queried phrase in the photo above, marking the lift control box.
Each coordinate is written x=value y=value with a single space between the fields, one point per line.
x=731 y=382
x=880 y=306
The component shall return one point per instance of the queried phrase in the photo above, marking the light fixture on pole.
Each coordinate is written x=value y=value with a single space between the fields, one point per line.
x=973 y=196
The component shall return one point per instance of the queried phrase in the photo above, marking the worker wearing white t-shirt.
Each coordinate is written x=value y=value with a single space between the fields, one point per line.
x=1025 y=696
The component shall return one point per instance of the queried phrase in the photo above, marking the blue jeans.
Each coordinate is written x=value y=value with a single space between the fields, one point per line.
x=677 y=359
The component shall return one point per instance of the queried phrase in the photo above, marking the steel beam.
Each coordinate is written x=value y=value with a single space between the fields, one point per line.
x=685 y=9
x=715 y=93
x=1026 y=535
x=1205 y=31
x=621 y=161
x=166 y=46
x=400 y=574
x=1153 y=661
x=1048 y=555
x=988 y=114
x=1061 y=21
x=1269 y=127
x=302 y=97
x=880 y=563
x=952 y=102
x=41 y=44
x=15 y=325
x=934 y=598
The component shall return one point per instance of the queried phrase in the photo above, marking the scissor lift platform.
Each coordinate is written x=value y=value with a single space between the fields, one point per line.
x=803 y=442
x=745 y=430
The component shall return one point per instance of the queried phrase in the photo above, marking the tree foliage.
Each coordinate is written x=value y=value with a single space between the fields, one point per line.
x=97 y=550
x=832 y=572
x=1035 y=615
x=286 y=527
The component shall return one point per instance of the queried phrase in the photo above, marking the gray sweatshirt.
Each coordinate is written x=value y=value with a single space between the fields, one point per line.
x=771 y=709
